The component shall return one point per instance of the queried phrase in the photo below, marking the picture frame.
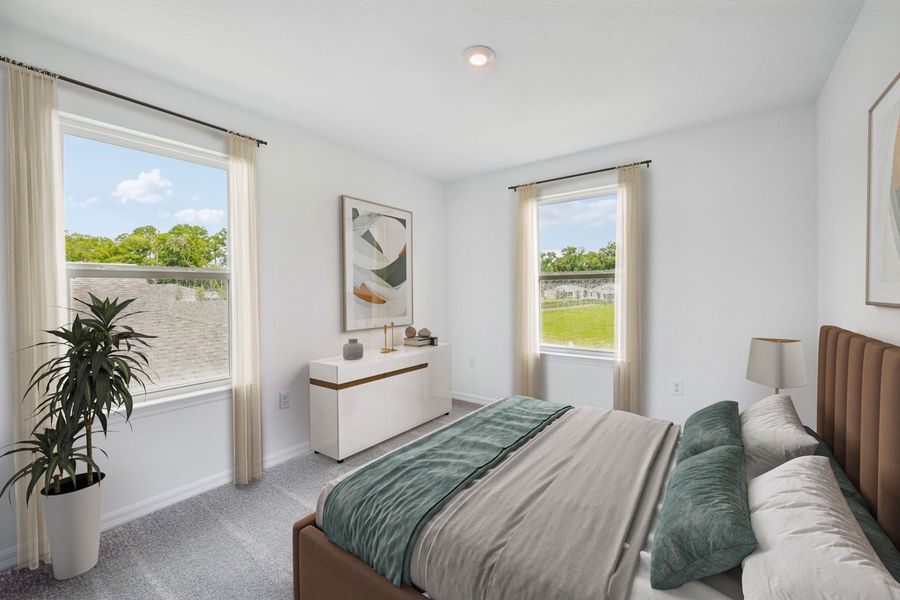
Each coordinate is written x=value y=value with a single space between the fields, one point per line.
x=377 y=264
x=883 y=197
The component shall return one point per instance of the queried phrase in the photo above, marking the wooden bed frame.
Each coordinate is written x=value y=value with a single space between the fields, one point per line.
x=322 y=571
x=858 y=417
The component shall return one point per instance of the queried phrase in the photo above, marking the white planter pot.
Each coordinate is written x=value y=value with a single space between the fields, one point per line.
x=73 y=528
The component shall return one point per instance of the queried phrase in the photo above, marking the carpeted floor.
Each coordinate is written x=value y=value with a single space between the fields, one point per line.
x=223 y=544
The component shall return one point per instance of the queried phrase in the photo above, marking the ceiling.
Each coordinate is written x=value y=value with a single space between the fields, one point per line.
x=388 y=77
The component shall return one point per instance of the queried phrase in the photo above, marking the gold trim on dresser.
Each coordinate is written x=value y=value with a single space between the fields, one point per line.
x=364 y=380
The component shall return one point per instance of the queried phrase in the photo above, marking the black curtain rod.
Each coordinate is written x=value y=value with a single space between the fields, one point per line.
x=634 y=164
x=128 y=99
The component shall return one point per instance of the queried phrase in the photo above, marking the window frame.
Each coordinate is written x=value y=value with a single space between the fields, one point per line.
x=560 y=198
x=99 y=131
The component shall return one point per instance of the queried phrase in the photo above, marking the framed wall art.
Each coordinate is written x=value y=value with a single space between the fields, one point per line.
x=883 y=239
x=377 y=257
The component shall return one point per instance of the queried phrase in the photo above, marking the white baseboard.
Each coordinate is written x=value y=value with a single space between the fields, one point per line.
x=139 y=509
x=473 y=398
x=145 y=507
x=8 y=558
x=276 y=458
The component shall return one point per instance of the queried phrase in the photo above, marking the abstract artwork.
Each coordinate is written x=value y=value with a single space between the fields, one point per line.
x=377 y=264
x=883 y=268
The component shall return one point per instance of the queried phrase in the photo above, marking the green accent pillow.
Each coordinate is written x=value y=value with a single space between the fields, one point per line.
x=716 y=425
x=880 y=541
x=704 y=527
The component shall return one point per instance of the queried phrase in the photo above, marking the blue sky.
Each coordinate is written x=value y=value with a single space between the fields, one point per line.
x=110 y=190
x=588 y=224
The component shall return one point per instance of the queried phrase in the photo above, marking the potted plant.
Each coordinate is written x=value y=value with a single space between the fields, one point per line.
x=101 y=362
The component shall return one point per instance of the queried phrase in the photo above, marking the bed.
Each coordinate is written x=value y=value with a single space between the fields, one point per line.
x=858 y=419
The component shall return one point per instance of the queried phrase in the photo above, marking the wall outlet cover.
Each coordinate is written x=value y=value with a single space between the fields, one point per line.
x=284 y=400
x=678 y=387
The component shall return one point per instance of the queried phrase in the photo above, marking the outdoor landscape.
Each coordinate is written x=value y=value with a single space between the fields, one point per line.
x=184 y=314
x=125 y=206
x=578 y=297
x=182 y=246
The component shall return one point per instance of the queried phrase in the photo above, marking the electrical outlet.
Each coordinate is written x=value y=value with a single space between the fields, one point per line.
x=678 y=387
x=471 y=362
x=284 y=400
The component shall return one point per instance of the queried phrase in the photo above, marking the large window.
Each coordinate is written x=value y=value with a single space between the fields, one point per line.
x=577 y=246
x=147 y=218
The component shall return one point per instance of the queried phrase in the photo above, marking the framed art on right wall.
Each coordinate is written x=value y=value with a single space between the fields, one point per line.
x=883 y=239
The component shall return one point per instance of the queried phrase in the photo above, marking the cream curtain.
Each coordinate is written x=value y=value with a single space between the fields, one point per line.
x=627 y=379
x=528 y=356
x=245 y=309
x=34 y=193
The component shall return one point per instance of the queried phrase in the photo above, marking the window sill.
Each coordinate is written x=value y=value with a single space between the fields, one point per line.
x=176 y=400
x=587 y=357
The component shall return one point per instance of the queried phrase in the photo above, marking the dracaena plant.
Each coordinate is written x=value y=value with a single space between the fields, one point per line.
x=101 y=362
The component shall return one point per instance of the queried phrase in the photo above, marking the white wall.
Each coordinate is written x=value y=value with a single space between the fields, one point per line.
x=868 y=62
x=729 y=247
x=172 y=454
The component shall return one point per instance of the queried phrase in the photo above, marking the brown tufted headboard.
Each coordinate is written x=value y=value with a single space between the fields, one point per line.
x=859 y=417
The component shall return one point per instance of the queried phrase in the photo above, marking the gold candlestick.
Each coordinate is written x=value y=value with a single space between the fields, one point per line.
x=387 y=348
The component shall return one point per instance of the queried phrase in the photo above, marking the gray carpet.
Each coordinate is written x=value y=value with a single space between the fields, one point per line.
x=226 y=543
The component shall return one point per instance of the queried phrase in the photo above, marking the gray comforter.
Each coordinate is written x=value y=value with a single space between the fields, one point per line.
x=563 y=517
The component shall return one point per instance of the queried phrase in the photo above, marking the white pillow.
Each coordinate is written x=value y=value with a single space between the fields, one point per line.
x=810 y=545
x=773 y=434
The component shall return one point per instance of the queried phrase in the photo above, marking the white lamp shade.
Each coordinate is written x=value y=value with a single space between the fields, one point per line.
x=776 y=363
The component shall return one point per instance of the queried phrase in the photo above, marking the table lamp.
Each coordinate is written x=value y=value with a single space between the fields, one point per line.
x=776 y=363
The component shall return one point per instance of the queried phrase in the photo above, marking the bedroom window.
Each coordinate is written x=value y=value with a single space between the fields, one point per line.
x=147 y=218
x=577 y=251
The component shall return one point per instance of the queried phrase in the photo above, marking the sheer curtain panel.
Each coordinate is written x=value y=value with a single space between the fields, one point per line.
x=627 y=378
x=245 y=309
x=35 y=242
x=528 y=357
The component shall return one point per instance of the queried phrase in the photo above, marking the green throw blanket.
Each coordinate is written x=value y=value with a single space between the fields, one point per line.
x=377 y=512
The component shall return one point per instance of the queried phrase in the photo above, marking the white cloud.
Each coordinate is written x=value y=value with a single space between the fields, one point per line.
x=594 y=213
x=148 y=188
x=89 y=201
x=208 y=216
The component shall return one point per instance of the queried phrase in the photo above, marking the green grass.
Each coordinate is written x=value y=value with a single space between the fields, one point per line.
x=587 y=326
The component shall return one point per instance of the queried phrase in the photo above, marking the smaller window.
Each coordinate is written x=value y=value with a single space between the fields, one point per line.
x=577 y=280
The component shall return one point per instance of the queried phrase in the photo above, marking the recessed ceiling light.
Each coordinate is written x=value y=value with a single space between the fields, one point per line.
x=478 y=56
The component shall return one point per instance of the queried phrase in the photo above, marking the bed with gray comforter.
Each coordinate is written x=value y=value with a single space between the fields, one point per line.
x=541 y=500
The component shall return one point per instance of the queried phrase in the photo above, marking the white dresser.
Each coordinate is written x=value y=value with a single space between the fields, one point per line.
x=355 y=404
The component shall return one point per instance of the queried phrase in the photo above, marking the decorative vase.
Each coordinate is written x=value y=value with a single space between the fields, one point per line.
x=73 y=527
x=353 y=350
